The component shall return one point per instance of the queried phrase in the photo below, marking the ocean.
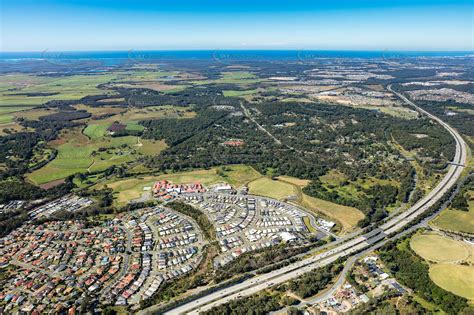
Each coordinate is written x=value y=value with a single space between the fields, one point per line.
x=223 y=55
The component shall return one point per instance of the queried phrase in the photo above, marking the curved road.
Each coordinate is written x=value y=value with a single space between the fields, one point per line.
x=349 y=247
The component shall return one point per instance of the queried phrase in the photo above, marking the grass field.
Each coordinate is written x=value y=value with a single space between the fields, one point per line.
x=67 y=87
x=239 y=175
x=7 y=118
x=272 y=188
x=234 y=77
x=444 y=256
x=96 y=131
x=35 y=113
x=295 y=181
x=437 y=248
x=346 y=216
x=236 y=93
x=456 y=220
x=14 y=87
x=310 y=227
x=133 y=125
x=457 y=279
x=75 y=154
x=102 y=110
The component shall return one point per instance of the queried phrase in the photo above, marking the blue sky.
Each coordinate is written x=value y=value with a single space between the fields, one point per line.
x=28 y=25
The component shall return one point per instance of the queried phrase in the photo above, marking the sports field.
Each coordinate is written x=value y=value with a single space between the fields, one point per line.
x=457 y=279
x=437 y=248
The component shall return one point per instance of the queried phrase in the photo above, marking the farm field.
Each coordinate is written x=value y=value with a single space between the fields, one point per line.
x=235 y=77
x=235 y=93
x=51 y=88
x=155 y=85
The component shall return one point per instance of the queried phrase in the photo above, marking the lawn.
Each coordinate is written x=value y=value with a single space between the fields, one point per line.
x=437 y=248
x=457 y=279
x=311 y=228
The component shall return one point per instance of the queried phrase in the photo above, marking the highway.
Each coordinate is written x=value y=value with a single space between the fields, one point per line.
x=349 y=247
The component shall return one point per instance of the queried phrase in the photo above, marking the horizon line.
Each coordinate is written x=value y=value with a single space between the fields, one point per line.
x=241 y=49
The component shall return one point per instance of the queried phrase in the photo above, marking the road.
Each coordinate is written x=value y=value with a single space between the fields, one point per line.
x=249 y=116
x=395 y=225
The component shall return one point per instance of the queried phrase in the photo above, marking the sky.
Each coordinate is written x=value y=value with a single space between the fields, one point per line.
x=84 y=25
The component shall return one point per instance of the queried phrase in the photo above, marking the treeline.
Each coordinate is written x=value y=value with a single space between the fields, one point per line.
x=462 y=198
x=413 y=272
x=258 y=304
x=18 y=189
x=258 y=259
x=314 y=281
x=201 y=219
x=67 y=115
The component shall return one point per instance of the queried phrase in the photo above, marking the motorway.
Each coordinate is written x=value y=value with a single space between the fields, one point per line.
x=349 y=247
